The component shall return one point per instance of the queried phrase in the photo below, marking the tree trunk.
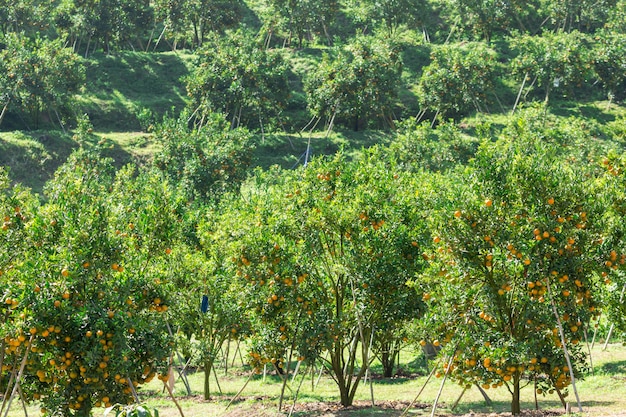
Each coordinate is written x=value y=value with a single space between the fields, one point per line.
x=515 y=402
x=196 y=37
x=344 y=390
x=388 y=359
x=344 y=373
x=208 y=366
x=4 y=110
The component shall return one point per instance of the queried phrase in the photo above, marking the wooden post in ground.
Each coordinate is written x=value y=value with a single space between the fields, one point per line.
x=432 y=372
x=445 y=376
x=564 y=345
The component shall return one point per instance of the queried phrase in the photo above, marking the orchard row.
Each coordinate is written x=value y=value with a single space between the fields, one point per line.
x=502 y=262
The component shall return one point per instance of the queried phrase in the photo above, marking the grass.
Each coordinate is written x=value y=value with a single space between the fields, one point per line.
x=34 y=156
x=288 y=150
x=602 y=393
x=119 y=86
x=124 y=87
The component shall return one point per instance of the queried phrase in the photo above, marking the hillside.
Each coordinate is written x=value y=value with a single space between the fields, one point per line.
x=474 y=73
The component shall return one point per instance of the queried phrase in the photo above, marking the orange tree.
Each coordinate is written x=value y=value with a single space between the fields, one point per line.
x=38 y=75
x=209 y=308
x=324 y=254
x=553 y=61
x=92 y=288
x=417 y=146
x=614 y=180
x=515 y=272
x=17 y=208
x=357 y=84
x=203 y=162
x=458 y=78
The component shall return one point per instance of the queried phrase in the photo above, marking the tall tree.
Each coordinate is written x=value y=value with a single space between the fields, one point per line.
x=357 y=83
x=609 y=61
x=235 y=76
x=323 y=255
x=195 y=19
x=305 y=18
x=582 y=15
x=458 y=78
x=30 y=17
x=553 y=61
x=203 y=162
x=516 y=268
x=108 y=24
x=38 y=75
x=484 y=19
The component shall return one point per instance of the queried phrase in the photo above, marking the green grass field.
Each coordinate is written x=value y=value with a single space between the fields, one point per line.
x=601 y=393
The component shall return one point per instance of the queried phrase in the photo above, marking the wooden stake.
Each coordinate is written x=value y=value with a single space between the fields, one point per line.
x=19 y=390
x=295 y=397
x=19 y=376
x=180 y=410
x=217 y=381
x=595 y=332
x=319 y=376
x=432 y=372
x=226 y=356
x=567 y=357
x=367 y=371
x=519 y=94
x=240 y=391
x=588 y=349
x=485 y=396
x=133 y=390
x=295 y=372
x=458 y=399
x=536 y=400
x=608 y=336
x=445 y=376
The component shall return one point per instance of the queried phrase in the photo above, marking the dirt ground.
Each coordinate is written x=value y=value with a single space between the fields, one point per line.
x=384 y=408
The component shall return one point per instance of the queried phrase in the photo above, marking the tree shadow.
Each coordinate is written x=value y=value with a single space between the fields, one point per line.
x=547 y=407
x=577 y=109
x=359 y=408
x=33 y=157
x=613 y=368
x=120 y=85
